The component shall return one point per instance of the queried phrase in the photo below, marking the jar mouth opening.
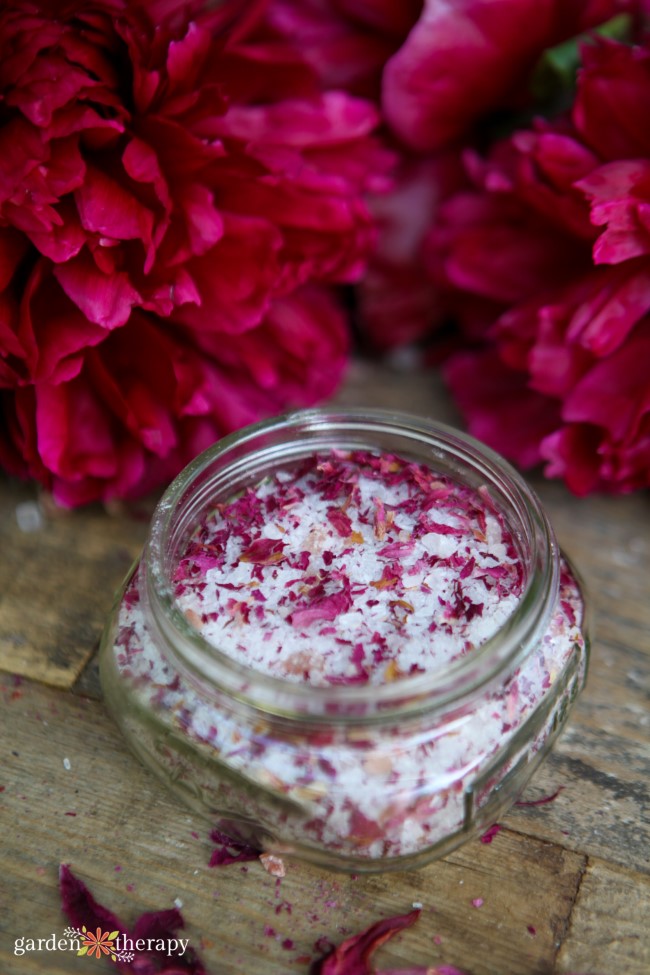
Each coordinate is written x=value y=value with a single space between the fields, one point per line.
x=242 y=459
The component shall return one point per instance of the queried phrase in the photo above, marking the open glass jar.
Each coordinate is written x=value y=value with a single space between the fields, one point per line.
x=353 y=776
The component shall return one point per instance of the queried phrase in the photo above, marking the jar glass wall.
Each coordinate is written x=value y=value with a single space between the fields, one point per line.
x=353 y=776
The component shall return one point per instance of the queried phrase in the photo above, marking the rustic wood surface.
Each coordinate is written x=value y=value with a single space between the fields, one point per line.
x=565 y=886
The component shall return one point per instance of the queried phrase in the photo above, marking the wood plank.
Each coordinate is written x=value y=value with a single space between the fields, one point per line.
x=609 y=929
x=57 y=583
x=602 y=760
x=125 y=819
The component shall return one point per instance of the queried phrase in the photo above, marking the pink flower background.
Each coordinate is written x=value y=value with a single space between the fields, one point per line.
x=189 y=191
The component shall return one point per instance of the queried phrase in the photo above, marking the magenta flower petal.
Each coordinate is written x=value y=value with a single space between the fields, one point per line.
x=82 y=910
x=460 y=60
x=560 y=303
x=229 y=851
x=105 y=299
x=179 y=166
x=352 y=957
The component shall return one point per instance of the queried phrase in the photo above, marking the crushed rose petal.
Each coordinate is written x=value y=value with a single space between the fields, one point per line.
x=352 y=957
x=229 y=850
x=543 y=801
x=490 y=833
x=82 y=910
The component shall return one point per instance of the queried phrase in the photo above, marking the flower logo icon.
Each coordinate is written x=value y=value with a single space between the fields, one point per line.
x=98 y=943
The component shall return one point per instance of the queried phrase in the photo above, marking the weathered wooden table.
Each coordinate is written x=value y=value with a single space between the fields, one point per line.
x=564 y=886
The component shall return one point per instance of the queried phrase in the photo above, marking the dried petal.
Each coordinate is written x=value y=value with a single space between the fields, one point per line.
x=352 y=957
x=327 y=608
x=542 y=801
x=490 y=833
x=82 y=910
x=264 y=551
x=229 y=850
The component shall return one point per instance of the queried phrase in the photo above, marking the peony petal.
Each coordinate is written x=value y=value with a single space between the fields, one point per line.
x=154 y=928
x=60 y=334
x=105 y=300
x=338 y=48
x=619 y=299
x=297 y=355
x=465 y=58
x=185 y=59
x=489 y=394
x=62 y=242
x=204 y=222
x=352 y=957
x=616 y=190
x=13 y=247
x=106 y=208
x=47 y=85
x=335 y=118
x=11 y=350
x=81 y=908
x=615 y=393
x=21 y=151
x=572 y=454
x=610 y=110
x=236 y=298
x=228 y=850
x=141 y=163
x=134 y=373
x=74 y=435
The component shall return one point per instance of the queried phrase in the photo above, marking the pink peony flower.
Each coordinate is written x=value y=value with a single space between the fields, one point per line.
x=553 y=242
x=397 y=299
x=464 y=59
x=435 y=69
x=176 y=195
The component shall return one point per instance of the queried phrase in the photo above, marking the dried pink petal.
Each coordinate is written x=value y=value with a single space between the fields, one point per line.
x=352 y=957
x=327 y=608
x=339 y=521
x=82 y=910
x=542 y=801
x=490 y=833
x=229 y=850
x=264 y=551
x=80 y=907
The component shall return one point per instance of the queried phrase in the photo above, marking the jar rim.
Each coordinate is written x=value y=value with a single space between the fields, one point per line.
x=325 y=428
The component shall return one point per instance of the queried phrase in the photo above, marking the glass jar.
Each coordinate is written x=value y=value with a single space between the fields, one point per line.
x=360 y=778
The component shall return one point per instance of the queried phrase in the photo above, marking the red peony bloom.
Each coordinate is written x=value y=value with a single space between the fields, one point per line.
x=347 y=42
x=397 y=299
x=464 y=59
x=435 y=68
x=554 y=242
x=175 y=194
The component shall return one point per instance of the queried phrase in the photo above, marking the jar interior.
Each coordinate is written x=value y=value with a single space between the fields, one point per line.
x=244 y=459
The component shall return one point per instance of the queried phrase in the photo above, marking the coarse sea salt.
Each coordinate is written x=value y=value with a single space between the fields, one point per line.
x=348 y=568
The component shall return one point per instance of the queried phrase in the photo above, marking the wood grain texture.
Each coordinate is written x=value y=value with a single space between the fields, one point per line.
x=564 y=885
x=105 y=812
x=57 y=583
x=609 y=922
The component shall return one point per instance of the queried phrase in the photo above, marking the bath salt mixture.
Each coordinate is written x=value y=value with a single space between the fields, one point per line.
x=350 y=568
